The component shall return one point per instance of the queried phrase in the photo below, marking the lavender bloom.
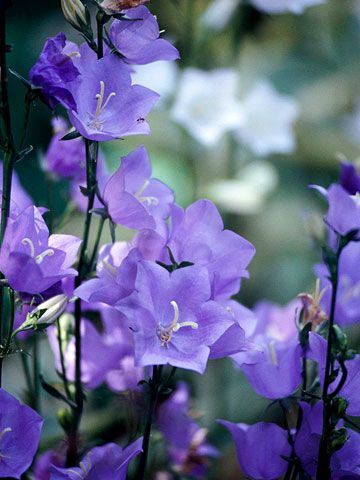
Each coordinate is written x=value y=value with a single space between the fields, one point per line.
x=274 y=368
x=108 y=461
x=197 y=235
x=54 y=70
x=107 y=106
x=31 y=260
x=344 y=210
x=138 y=39
x=44 y=463
x=349 y=178
x=185 y=439
x=173 y=319
x=20 y=200
x=133 y=198
x=64 y=158
x=20 y=430
x=260 y=448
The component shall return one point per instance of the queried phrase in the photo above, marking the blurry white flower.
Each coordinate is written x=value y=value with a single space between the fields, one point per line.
x=218 y=13
x=283 y=6
x=158 y=76
x=246 y=193
x=206 y=104
x=268 y=121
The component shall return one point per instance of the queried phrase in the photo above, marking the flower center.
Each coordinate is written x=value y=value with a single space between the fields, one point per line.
x=165 y=333
x=96 y=123
x=49 y=252
x=148 y=200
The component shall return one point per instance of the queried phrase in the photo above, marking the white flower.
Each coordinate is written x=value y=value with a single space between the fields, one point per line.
x=284 y=6
x=268 y=121
x=218 y=13
x=159 y=76
x=206 y=104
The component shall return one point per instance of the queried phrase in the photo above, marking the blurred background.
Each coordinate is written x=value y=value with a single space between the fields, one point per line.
x=258 y=108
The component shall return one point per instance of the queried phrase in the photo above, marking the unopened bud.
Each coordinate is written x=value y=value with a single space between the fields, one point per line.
x=48 y=311
x=74 y=12
x=115 y=6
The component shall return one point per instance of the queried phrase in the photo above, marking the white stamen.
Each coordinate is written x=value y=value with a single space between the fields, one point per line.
x=96 y=123
x=148 y=200
x=74 y=55
x=109 y=267
x=27 y=241
x=49 y=252
x=165 y=333
x=6 y=430
x=273 y=355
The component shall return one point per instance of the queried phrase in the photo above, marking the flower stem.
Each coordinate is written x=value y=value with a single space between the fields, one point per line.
x=97 y=243
x=324 y=456
x=154 y=387
x=62 y=360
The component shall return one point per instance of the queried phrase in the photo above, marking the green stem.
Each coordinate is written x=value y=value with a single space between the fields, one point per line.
x=62 y=360
x=154 y=386
x=97 y=243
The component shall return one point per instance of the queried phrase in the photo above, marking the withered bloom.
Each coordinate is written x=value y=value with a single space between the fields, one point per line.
x=311 y=308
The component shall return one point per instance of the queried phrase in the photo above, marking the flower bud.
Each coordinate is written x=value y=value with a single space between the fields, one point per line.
x=74 y=12
x=116 y=6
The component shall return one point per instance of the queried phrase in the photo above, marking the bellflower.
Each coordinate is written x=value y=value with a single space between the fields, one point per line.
x=20 y=430
x=172 y=317
x=349 y=177
x=133 y=198
x=138 y=38
x=274 y=368
x=31 y=260
x=45 y=461
x=66 y=159
x=206 y=104
x=107 y=106
x=261 y=449
x=284 y=6
x=108 y=461
x=186 y=441
x=268 y=120
x=54 y=71
x=197 y=236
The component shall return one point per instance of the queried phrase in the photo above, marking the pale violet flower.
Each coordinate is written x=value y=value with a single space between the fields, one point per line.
x=284 y=6
x=206 y=104
x=268 y=121
x=159 y=76
x=218 y=13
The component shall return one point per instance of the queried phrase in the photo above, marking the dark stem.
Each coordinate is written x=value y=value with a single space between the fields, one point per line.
x=100 y=34
x=62 y=360
x=97 y=243
x=28 y=103
x=323 y=467
x=154 y=387
x=342 y=380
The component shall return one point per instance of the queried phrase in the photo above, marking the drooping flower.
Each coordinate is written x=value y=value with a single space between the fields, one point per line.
x=31 y=260
x=274 y=367
x=66 y=159
x=261 y=449
x=138 y=38
x=107 y=106
x=108 y=461
x=20 y=430
x=133 y=198
x=185 y=439
x=173 y=318
x=284 y=6
x=206 y=104
x=268 y=120
x=54 y=71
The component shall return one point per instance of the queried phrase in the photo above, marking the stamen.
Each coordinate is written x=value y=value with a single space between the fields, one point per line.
x=76 y=473
x=74 y=55
x=176 y=312
x=165 y=333
x=273 y=355
x=109 y=267
x=97 y=124
x=6 y=430
x=46 y=253
x=148 y=200
x=27 y=241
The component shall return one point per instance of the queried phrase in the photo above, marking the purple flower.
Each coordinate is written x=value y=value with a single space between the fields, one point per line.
x=20 y=199
x=138 y=39
x=186 y=441
x=197 y=235
x=172 y=317
x=349 y=178
x=20 y=430
x=344 y=210
x=108 y=461
x=133 y=198
x=54 y=70
x=65 y=159
x=273 y=368
x=107 y=106
x=260 y=448
x=31 y=260
x=44 y=463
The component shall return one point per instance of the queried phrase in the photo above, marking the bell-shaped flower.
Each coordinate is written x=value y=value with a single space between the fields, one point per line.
x=261 y=449
x=108 y=461
x=133 y=198
x=20 y=431
x=31 y=260
x=138 y=38
x=54 y=71
x=185 y=439
x=349 y=177
x=107 y=106
x=173 y=318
